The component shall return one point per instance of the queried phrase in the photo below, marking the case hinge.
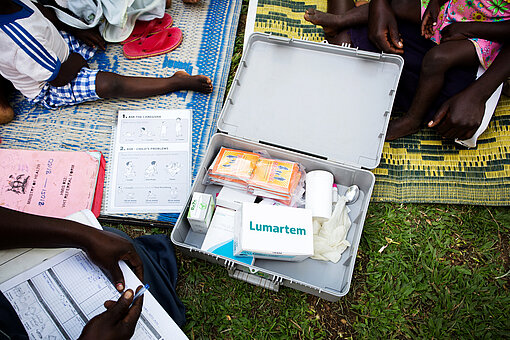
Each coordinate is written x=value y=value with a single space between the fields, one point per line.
x=279 y=38
x=256 y=280
x=369 y=55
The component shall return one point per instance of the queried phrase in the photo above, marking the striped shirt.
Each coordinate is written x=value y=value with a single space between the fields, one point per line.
x=32 y=49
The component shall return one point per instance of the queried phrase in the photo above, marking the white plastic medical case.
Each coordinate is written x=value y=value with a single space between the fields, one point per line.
x=326 y=107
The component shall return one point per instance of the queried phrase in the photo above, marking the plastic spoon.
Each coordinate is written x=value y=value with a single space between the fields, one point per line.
x=352 y=194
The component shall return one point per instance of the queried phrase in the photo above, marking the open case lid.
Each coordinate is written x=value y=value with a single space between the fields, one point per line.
x=329 y=101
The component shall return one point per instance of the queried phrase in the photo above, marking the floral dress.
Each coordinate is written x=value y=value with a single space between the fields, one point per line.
x=472 y=10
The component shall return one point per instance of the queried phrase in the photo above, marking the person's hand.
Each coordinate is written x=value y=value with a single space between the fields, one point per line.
x=105 y=249
x=382 y=27
x=429 y=20
x=456 y=31
x=460 y=116
x=117 y=322
x=91 y=37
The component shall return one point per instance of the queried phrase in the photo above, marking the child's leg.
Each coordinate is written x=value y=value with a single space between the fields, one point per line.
x=112 y=85
x=436 y=63
x=342 y=15
x=6 y=111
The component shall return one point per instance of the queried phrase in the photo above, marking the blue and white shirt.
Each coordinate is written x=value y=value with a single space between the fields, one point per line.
x=31 y=49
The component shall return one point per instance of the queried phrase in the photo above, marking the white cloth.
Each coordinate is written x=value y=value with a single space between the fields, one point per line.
x=329 y=239
x=137 y=10
x=32 y=50
x=116 y=18
x=490 y=107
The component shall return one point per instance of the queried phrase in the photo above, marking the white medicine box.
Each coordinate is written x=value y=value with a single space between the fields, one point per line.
x=325 y=107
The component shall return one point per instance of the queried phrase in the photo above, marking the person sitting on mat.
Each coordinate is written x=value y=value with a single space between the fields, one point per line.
x=50 y=68
x=151 y=257
x=441 y=54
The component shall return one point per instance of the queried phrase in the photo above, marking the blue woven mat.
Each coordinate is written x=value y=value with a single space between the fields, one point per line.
x=209 y=30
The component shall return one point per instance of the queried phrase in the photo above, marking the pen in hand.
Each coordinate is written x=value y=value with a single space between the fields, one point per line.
x=139 y=293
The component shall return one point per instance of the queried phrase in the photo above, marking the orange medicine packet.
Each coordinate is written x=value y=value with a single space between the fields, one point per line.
x=279 y=177
x=232 y=164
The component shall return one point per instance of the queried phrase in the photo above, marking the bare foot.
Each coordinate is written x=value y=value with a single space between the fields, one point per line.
x=200 y=83
x=329 y=22
x=401 y=127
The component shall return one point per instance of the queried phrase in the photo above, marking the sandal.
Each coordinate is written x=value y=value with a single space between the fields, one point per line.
x=149 y=28
x=163 y=42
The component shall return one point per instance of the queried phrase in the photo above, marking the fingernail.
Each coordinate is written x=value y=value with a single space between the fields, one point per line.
x=128 y=294
x=431 y=122
x=120 y=286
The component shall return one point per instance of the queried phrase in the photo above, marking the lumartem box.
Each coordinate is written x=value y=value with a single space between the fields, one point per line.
x=325 y=107
x=274 y=232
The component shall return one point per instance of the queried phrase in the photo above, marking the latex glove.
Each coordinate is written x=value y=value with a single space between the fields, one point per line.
x=330 y=240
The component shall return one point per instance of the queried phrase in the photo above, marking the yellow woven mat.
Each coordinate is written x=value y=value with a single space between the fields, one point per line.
x=423 y=167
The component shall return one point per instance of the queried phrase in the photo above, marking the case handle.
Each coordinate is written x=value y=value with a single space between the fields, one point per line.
x=254 y=279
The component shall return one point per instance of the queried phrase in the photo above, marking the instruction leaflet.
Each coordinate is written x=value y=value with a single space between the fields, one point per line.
x=151 y=162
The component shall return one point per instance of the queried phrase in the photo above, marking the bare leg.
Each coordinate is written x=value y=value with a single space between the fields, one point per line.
x=112 y=85
x=6 y=111
x=342 y=15
x=408 y=10
x=435 y=64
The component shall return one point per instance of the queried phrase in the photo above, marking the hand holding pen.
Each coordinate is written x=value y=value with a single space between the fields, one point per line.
x=119 y=320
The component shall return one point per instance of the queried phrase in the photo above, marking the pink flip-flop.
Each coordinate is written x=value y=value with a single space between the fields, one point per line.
x=163 y=42
x=149 y=27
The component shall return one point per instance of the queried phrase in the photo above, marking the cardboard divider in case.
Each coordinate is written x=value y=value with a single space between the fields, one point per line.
x=326 y=107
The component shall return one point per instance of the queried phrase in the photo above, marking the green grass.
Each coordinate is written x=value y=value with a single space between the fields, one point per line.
x=437 y=280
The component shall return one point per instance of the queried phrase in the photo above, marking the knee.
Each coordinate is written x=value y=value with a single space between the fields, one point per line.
x=436 y=61
x=6 y=114
x=108 y=85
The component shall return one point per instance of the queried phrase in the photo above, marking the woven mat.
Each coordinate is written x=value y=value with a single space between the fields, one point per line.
x=209 y=30
x=420 y=168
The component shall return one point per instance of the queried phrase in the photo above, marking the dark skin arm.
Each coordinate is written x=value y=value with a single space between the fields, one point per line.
x=461 y=115
x=105 y=249
x=382 y=27
x=493 y=31
x=21 y=230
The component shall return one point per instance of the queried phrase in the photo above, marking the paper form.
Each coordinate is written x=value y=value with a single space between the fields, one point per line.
x=55 y=299
x=151 y=162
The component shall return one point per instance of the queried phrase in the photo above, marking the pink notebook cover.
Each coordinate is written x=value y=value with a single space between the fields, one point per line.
x=49 y=183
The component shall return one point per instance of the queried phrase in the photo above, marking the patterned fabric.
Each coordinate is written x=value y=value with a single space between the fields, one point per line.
x=423 y=168
x=80 y=89
x=209 y=30
x=468 y=11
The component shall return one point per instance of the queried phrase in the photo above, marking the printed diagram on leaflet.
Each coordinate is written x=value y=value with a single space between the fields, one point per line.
x=152 y=162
